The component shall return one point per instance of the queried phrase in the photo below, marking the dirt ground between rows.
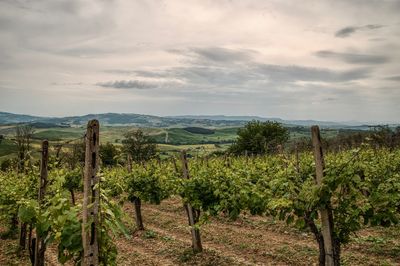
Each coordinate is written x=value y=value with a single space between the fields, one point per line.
x=247 y=241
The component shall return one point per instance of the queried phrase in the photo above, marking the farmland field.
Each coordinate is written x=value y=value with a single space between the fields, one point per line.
x=259 y=210
x=177 y=139
x=249 y=240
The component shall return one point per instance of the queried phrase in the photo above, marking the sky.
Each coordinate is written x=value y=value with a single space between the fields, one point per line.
x=325 y=60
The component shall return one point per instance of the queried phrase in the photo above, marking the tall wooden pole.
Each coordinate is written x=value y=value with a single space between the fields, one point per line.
x=192 y=214
x=129 y=163
x=91 y=196
x=326 y=211
x=40 y=246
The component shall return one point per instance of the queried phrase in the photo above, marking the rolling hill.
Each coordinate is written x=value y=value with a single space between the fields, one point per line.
x=140 y=120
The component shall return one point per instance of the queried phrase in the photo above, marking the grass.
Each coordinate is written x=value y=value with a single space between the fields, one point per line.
x=54 y=135
x=179 y=136
x=7 y=147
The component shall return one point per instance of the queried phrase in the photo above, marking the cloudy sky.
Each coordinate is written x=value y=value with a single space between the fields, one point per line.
x=327 y=60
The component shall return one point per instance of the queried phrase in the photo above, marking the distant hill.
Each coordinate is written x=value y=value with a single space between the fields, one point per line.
x=226 y=117
x=140 y=120
x=9 y=118
x=249 y=118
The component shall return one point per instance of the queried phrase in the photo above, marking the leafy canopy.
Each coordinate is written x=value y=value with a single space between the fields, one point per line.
x=140 y=146
x=259 y=138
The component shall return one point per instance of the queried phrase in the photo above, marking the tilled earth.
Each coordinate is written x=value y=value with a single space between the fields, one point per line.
x=247 y=241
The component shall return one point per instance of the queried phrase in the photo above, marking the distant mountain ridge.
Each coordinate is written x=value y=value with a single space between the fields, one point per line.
x=116 y=119
x=249 y=118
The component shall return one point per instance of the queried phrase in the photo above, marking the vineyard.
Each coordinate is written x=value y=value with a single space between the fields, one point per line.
x=302 y=208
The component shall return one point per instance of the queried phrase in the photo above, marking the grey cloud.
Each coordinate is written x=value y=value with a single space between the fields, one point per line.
x=345 y=32
x=215 y=54
x=349 y=30
x=66 y=83
x=353 y=58
x=53 y=26
x=83 y=51
x=139 y=73
x=255 y=76
x=219 y=54
x=217 y=66
x=212 y=76
x=127 y=84
x=151 y=74
x=65 y=6
x=280 y=73
x=393 y=78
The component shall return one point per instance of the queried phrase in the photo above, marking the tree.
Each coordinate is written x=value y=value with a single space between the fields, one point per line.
x=23 y=136
x=75 y=156
x=108 y=154
x=140 y=146
x=259 y=138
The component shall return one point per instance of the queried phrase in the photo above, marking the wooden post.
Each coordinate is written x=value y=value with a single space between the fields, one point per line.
x=326 y=212
x=40 y=246
x=193 y=215
x=175 y=166
x=296 y=150
x=129 y=163
x=91 y=196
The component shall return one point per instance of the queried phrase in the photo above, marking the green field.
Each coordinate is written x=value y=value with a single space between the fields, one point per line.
x=215 y=139
x=7 y=147
x=178 y=138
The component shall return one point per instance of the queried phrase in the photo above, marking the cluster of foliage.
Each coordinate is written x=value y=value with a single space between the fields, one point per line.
x=58 y=219
x=361 y=187
x=109 y=154
x=199 y=130
x=259 y=138
x=378 y=137
x=150 y=183
x=139 y=145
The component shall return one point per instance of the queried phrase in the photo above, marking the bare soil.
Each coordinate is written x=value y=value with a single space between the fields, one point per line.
x=249 y=240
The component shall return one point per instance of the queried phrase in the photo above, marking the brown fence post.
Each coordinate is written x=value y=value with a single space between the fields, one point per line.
x=326 y=212
x=129 y=163
x=193 y=215
x=40 y=246
x=91 y=196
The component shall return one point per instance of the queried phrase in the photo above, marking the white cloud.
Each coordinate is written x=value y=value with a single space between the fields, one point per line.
x=270 y=58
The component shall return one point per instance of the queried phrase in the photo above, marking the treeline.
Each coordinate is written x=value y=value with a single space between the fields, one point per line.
x=255 y=138
x=377 y=137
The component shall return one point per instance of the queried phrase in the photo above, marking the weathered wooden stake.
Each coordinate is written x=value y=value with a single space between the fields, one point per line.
x=129 y=163
x=193 y=215
x=91 y=196
x=296 y=150
x=40 y=246
x=175 y=166
x=326 y=212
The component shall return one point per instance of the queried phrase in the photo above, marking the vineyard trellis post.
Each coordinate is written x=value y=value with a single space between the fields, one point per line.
x=91 y=196
x=193 y=215
x=129 y=163
x=326 y=211
x=40 y=246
